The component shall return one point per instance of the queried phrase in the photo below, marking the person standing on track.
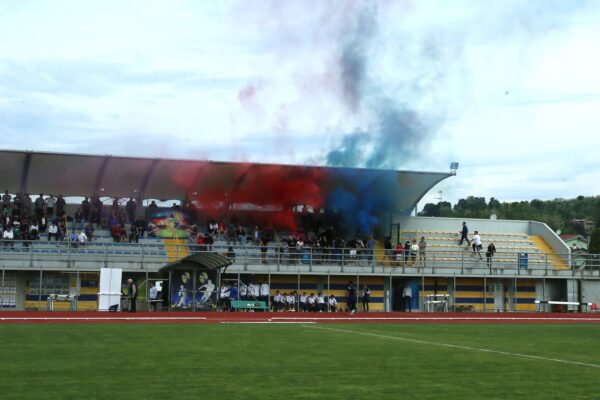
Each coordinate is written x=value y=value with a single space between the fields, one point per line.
x=366 y=297
x=407 y=297
x=351 y=297
x=132 y=294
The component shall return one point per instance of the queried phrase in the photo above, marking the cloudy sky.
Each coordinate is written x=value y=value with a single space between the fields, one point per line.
x=510 y=89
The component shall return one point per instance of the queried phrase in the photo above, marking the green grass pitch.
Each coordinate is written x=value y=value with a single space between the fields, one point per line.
x=295 y=361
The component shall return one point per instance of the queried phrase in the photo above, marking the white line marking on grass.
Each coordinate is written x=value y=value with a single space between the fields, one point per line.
x=101 y=318
x=455 y=346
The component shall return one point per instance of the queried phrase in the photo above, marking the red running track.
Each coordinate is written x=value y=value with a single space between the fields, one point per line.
x=292 y=317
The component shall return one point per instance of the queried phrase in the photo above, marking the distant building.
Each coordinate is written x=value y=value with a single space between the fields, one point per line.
x=588 y=224
x=575 y=241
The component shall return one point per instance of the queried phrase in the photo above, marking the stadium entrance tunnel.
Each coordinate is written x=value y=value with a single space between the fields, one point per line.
x=194 y=281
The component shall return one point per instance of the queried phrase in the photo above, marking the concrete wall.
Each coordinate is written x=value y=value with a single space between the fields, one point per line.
x=590 y=291
x=455 y=224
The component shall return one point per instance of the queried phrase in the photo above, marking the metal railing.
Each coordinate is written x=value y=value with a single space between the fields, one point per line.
x=307 y=259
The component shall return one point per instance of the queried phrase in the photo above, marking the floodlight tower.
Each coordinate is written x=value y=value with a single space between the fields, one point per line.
x=453 y=167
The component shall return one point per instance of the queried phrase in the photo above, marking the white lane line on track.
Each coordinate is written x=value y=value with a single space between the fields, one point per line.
x=101 y=318
x=455 y=346
x=268 y=322
x=450 y=319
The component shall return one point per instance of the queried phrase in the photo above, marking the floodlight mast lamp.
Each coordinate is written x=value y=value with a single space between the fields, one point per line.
x=453 y=167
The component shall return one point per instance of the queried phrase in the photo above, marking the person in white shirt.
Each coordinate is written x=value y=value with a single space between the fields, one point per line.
x=477 y=246
x=414 y=249
x=291 y=302
x=81 y=238
x=253 y=291
x=153 y=296
x=52 y=231
x=303 y=299
x=243 y=291
x=278 y=302
x=225 y=296
x=8 y=236
x=264 y=291
x=320 y=302
x=332 y=304
x=312 y=302
x=407 y=296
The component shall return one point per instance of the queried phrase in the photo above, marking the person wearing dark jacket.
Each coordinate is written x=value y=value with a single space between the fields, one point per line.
x=489 y=254
x=132 y=294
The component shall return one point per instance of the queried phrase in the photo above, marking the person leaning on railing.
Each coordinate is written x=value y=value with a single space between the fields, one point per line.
x=8 y=237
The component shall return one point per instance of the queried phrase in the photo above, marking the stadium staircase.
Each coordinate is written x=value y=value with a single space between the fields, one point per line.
x=176 y=249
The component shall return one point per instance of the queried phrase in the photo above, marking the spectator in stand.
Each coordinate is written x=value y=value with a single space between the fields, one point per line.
x=131 y=206
x=27 y=205
x=463 y=234
x=134 y=234
x=201 y=243
x=6 y=199
x=422 y=249
x=25 y=233
x=6 y=217
x=82 y=238
x=86 y=209
x=17 y=205
x=371 y=249
x=263 y=250
x=113 y=220
x=489 y=254
x=240 y=235
x=73 y=240
x=60 y=206
x=62 y=230
x=115 y=205
x=406 y=251
x=43 y=222
x=477 y=246
x=8 y=236
x=50 y=202
x=39 y=204
x=414 y=249
x=332 y=303
x=399 y=250
x=213 y=228
x=256 y=236
x=53 y=231
x=34 y=231
x=89 y=231
x=78 y=219
x=115 y=232
x=95 y=216
x=140 y=224
x=209 y=241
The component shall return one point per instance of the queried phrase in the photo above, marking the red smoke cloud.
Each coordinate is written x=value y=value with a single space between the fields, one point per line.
x=266 y=192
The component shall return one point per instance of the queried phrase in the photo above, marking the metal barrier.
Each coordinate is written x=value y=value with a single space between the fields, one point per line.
x=24 y=254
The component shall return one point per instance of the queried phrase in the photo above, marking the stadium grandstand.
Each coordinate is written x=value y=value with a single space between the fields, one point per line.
x=292 y=238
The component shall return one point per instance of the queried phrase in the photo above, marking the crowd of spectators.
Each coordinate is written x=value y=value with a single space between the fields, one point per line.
x=26 y=220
